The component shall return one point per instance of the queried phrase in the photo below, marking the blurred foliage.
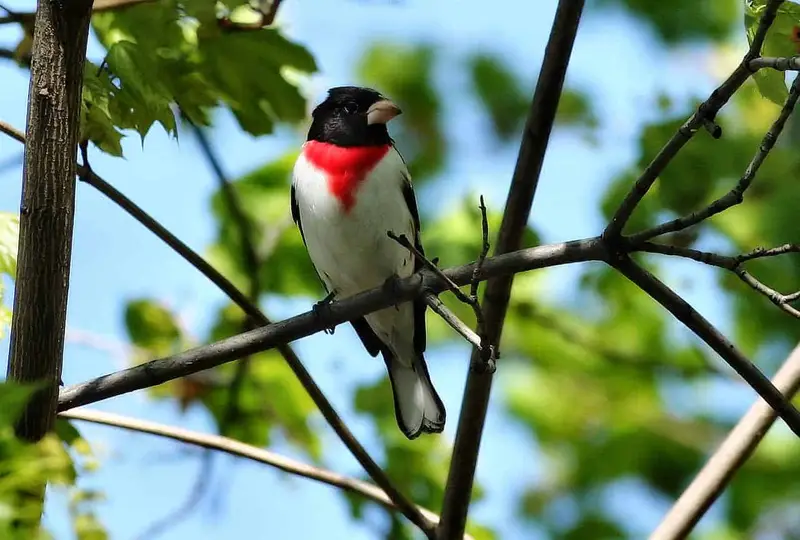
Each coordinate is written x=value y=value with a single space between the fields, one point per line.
x=58 y=459
x=610 y=391
x=682 y=20
x=506 y=100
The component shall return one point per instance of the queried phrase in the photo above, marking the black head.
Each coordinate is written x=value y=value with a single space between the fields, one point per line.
x=353 y=116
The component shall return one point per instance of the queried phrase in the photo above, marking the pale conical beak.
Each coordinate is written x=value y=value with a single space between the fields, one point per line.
x=382 y=111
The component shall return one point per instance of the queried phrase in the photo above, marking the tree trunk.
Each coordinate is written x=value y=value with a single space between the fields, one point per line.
x=47 y=209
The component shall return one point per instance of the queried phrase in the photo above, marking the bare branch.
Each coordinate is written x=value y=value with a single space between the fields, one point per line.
x=452 y=319
x=729 y=457
x=780 y=64
x=707 y=111
x=246 y=451
x=539 y=124
x=736 y=195
x=685 y=313
x=734 y=264
x=208 y=356
x=98 y=7
x=12 y=132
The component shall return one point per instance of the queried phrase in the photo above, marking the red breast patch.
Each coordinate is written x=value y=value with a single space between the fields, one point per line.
x=345 y=167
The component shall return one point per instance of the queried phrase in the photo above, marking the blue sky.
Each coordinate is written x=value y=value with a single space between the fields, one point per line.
x=616 y=61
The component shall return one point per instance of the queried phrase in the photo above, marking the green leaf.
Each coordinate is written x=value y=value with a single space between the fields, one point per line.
x=500 y=92
x=257 y=97
x=97 y=125
x=13 y=399
x=152 y=327
x=66 y=431
x=141 y=98
x=684 y=20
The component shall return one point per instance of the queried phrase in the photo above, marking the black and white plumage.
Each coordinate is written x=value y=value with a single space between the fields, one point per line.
x=350 y=187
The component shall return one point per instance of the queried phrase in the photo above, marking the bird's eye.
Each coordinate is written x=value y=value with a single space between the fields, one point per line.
x=351 y=108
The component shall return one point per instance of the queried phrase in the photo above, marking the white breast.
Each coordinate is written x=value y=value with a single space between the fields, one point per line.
x=351 y=250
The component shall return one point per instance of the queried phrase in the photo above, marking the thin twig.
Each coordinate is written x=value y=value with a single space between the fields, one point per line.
x=242 y=450
x=706 y=111
x=452 y=319
x=735 y=195
x=539 y=124
x=734 y=451
x=12 y=132
x=686 y=314
x=734 y=264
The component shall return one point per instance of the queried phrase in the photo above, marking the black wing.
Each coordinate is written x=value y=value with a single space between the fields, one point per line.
x=296 y=213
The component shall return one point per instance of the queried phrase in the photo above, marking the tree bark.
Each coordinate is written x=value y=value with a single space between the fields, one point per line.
x=47 y=208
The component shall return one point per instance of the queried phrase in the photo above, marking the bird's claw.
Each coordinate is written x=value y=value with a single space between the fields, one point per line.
x=321 y=310
x=392 y=284
x=487 y=363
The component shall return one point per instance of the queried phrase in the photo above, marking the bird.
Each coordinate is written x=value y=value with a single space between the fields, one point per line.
x=350 y=187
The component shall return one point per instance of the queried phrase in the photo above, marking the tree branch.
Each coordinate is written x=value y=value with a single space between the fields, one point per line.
x=736 y=195
x=685 y=313
x=706 y=112
x=734 y=264
x=98 y=7
x=460 y=478
x=240 y=449
x=160 y=371
x=731 y=455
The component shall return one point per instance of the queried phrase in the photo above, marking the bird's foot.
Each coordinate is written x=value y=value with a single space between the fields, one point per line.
x=322 y=308
x=487 y=363
x=392 y=285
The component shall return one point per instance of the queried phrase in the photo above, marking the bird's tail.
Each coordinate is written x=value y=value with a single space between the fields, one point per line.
x=417 y=406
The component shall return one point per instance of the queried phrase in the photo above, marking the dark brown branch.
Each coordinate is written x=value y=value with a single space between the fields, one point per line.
x=208 y=356
x=707 y=111
x=736 y=195
x=47 y=208
x=685 y=313
x=539 y=124
x=734 y=451
x=47 y=213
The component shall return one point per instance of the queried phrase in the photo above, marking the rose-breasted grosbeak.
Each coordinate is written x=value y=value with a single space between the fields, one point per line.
x=350 y=187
